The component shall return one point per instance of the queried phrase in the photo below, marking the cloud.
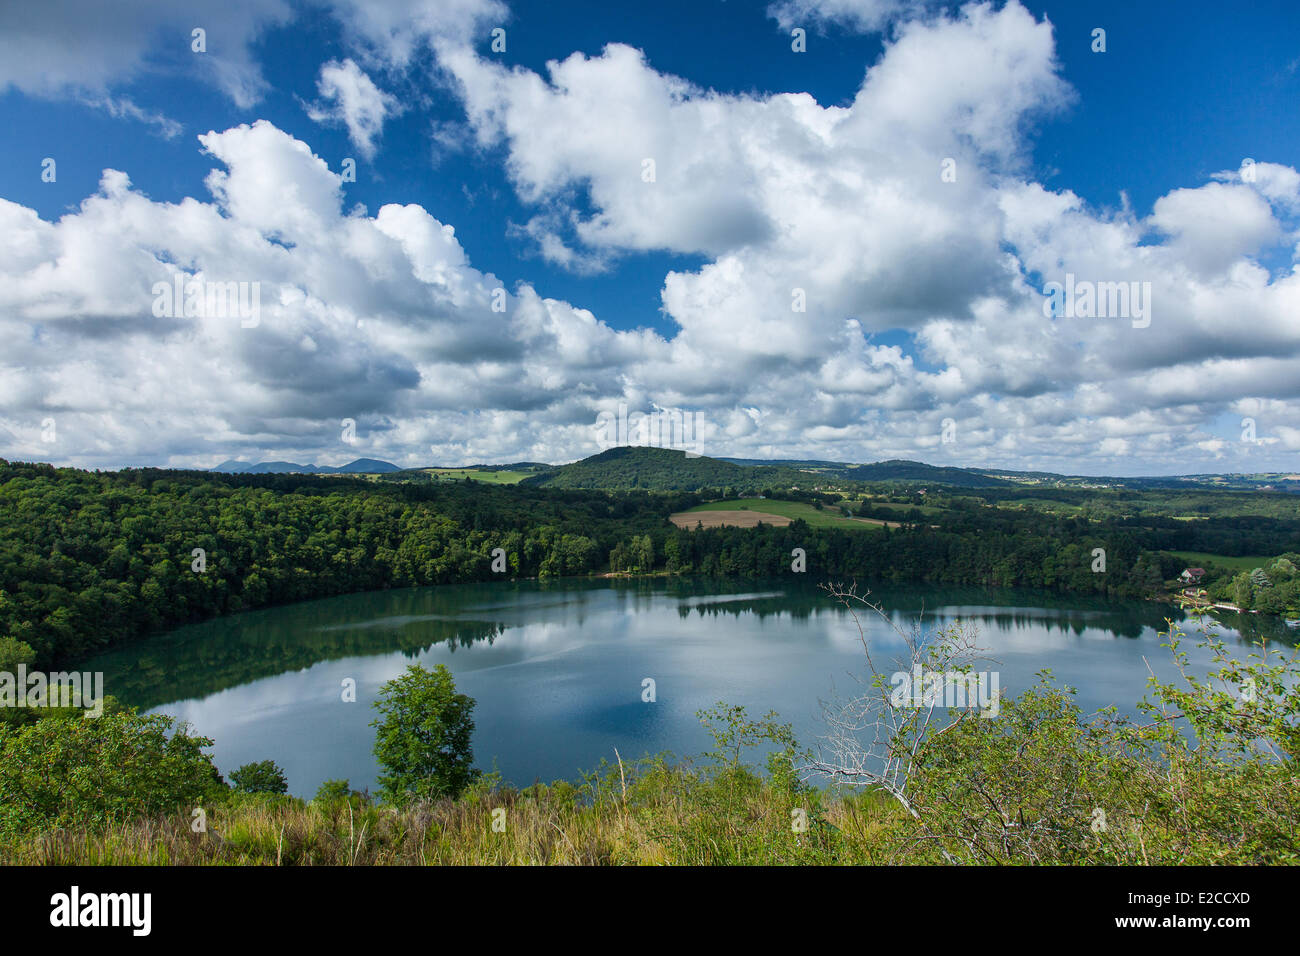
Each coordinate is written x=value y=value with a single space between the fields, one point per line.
x=82 y=48
x=352 y=98
x=656 y=164
x=1215 y=225
x=847 y=214
x=862 y=16
x=86 y=49
x=377 y=318
x=122 y=107
x=870 y=272
x=393 y=32
x=844 y=208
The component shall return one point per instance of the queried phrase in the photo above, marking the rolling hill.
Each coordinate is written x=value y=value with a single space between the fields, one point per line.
x=663 y=469
x=670 y=470
x=902 y=470
x=895 y=469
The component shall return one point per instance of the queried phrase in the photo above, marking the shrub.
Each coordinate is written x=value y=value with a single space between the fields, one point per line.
x=64 y=771
x=261 y=777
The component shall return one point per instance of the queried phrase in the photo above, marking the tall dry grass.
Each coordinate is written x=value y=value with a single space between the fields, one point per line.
x=645 y=815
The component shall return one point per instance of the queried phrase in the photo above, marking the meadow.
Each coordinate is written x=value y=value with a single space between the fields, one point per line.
x=1196 y=559
x=479 y=474
x=828 y=516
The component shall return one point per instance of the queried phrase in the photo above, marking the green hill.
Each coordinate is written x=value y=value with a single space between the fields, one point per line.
x=896 y=469
x=664 y=469
x=902 y=470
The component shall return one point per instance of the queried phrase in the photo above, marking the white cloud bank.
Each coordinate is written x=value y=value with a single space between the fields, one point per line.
x=855 y=210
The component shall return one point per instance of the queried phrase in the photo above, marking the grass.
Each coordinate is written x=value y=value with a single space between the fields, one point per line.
x=647 y=813
x=828 y=517
x=902 y=509
x=474 y=474
x=1200 y=558
x=653 y=812
x=1046 y=505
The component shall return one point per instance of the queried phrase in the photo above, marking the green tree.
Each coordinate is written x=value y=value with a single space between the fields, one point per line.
x=1269 y=601
x=618 y=558
x=643 y=550
x=333 y=790
x=1145 y=577
x=261 y=777
x=77 y=771
x=14 y=652
x=423 y=737
x=673 y=555
x=1243 y=594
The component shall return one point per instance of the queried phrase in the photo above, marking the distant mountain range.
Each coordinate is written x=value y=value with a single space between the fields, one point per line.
x=671 y=469
x=362 y=466
x=665 y=469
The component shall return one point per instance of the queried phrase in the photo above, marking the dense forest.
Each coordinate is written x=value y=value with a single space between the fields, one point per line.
x=90 y=559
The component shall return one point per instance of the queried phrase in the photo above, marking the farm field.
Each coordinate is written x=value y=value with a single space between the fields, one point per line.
x=738 y=512
x=490 y=477
x=689 y=520
x=1200 y=558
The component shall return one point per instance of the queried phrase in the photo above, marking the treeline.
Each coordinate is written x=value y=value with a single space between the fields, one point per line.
x=1164 y=506
x=1274 y=589
x=1057 y=558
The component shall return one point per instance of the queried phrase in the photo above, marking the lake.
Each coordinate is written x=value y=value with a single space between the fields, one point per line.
x=558 y=668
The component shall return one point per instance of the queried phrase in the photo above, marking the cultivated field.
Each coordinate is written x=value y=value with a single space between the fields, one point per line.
x=747 y=512
x=689 y=520
x=491 y=477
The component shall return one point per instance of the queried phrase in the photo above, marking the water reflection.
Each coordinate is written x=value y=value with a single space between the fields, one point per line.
x=557 y=668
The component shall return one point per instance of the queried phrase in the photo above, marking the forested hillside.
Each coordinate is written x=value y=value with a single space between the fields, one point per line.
x=88 y=560
x=664 y=469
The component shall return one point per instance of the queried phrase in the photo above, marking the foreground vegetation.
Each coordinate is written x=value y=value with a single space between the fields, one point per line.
x=654 y=812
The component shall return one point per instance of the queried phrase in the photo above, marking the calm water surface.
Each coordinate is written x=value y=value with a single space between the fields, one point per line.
x=557 y=668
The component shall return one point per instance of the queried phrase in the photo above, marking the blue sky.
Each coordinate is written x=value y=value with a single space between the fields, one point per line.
x=492 y=144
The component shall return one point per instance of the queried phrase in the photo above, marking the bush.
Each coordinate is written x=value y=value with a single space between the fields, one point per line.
x=63 y=771
x=332 y=790
x=261 y=777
